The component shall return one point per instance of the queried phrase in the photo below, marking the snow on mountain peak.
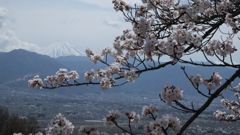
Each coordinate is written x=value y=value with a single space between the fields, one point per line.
x=63 y=48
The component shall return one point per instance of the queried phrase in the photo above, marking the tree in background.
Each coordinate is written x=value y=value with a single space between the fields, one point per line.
x=10 y=124
x=179 y=30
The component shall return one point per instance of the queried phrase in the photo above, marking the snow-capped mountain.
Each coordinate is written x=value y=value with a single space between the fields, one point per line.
x=63 y=48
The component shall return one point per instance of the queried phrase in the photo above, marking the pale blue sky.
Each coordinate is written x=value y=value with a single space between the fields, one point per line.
x=84 y=23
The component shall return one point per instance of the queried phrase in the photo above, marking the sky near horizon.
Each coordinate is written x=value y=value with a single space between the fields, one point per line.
x=31 y=24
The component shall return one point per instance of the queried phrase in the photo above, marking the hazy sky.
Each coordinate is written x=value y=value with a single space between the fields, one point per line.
x=84 y=23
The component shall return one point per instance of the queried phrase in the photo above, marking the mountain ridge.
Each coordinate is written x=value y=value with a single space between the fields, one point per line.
x=21 y=65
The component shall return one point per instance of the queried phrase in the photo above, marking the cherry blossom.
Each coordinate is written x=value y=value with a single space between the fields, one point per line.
x=102 y=73
x=59 y=125
x=230 y=21
x=219 y=114
x=111 y=117
x=73 y=75
x=130 y=75
x=148 y=110
x=89 y=52
x=216 y=78
x=89 y=75
x=133 y=116
x=36 y=81
x=159 y=125
x=211 y=83
x=142 y=27
x=196 y=80
x=222 y=49
x=61 y=76
x=105 y=83
x=171 y=93
x=95 y=58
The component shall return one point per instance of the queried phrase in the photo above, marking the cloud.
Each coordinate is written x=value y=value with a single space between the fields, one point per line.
x=9 y=42
x=115 y=20
x=108 y=3
x=99 y=3
x=132 y=2
x=112 y=23
x=8 y=39
x=3 y=17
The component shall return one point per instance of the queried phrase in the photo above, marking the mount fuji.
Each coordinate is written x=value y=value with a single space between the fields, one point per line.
x=62 y=48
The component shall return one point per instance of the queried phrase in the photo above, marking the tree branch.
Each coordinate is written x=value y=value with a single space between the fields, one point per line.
x=209 y=101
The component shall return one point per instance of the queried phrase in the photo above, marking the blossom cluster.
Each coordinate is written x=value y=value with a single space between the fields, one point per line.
x=128 y=42
x=120 y=5
x=171 y=48
x=141 y=27
x=193 y=10
x=236 y=88
x=109 y=120
x=230 y=21
x=133 y=116
x=36 y=81
x=184 y=36
x=159 y=125
x=220 y=48
x=105 y=75
x=105 y=83
x=59 y=125
x=196 y=80
x=171 y=93
x=92 y=131
x=147 y=27
x=146 y=110
x=114 y=68
x=129 y=39
x=211 y=83
x=89 y=75
x=130 y=75
x=232 y=106
x=150 y=4
x=61 y=76
x=219 y=114
x=93 y=56
x=150 y=47
x=167 y=121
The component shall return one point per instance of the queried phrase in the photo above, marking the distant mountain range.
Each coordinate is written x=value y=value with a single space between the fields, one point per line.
x=18 y=66
x=58 y=49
